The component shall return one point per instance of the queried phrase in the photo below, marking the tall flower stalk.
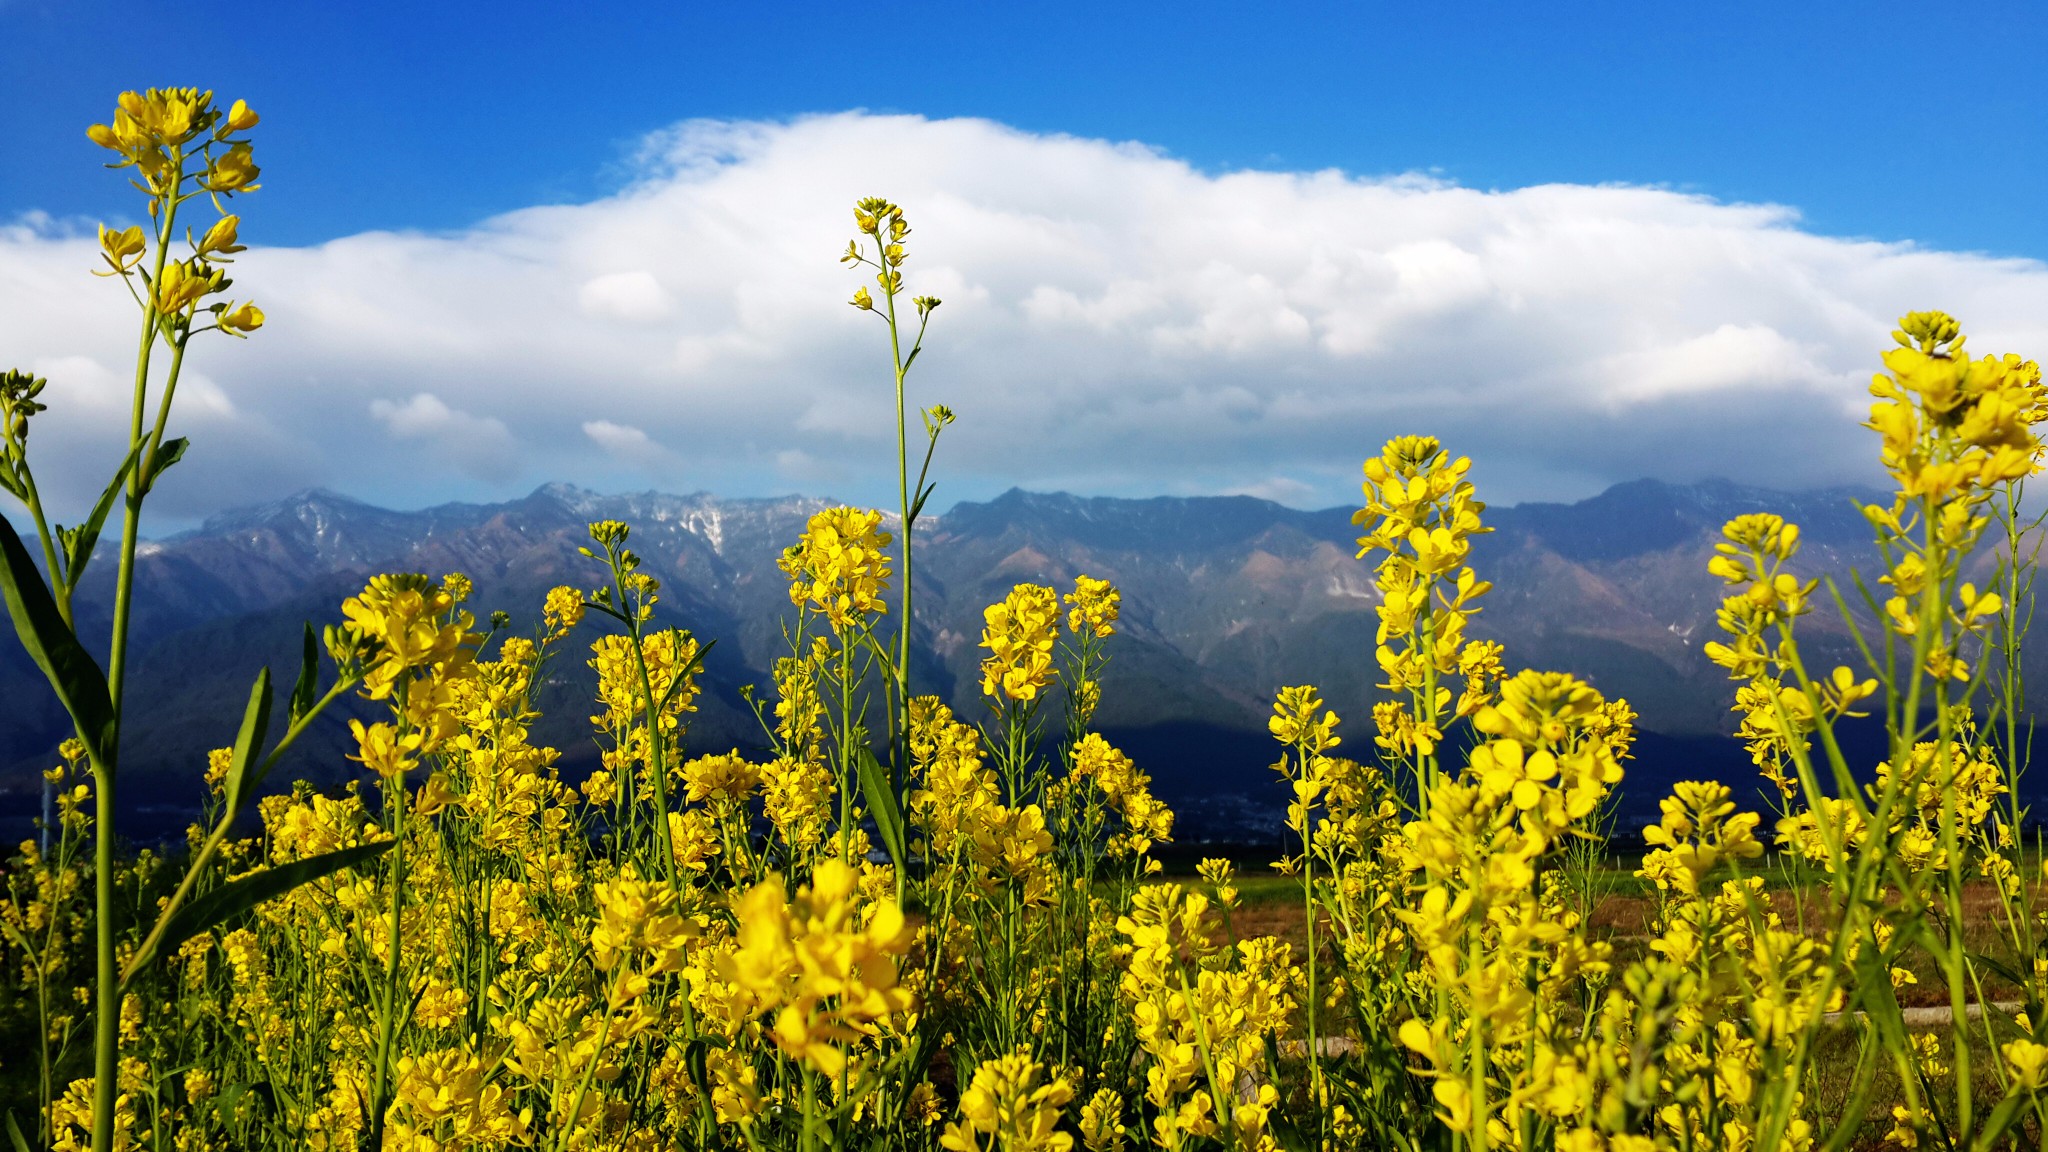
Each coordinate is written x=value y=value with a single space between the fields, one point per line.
x=181 y=147
x=885 y=229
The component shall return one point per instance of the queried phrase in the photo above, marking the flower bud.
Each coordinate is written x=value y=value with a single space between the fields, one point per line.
x=241 y=320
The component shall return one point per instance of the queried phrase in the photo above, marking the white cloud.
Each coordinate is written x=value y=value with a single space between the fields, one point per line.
x=628 y=444
x=1114 y=322
x=635 y=297
x=1281 y=489
x=617 y=437
x=1728 y=359
x=480 y=445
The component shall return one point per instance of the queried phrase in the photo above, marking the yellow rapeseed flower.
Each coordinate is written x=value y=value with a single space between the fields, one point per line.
x=1012 y=1105
x=724 y=780
x=1094 y=604
x=822 y=963
x=667 y=654
x=183 y=284
x=839 y=567
x=234 y=171
x=446 y=1100
x=562 y=611
x=384 y=750
x=1299 y=718
x=638 y=925
x=1019 y=633
x=412 y=623
x=122 y=250
x=240 y=319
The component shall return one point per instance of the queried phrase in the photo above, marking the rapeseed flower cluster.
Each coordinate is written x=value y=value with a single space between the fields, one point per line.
x=1019 y=634
x=1011 y=1106
x=839 y=567
x=1421 y=514
x=1204 y=1014
x=825 y=968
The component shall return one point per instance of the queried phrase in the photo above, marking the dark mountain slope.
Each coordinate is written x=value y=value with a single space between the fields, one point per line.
x=1225 y=600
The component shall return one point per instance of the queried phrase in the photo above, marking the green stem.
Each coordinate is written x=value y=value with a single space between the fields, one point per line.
x=583 y=1082
x=846 y=781
x=387 y=1014
x=901 y=741
x=107 y=984
x=657 y=758
x=807 y=1138
x=1308 y=895
x=60 y=578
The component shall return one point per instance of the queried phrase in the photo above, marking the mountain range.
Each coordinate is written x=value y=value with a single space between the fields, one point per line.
x=1225 y=599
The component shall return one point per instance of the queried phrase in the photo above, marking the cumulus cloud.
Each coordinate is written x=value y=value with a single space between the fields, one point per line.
x=480 y=445
x=629 y=445
x=635 y=297
x=1279 y=489
x=1115 y=322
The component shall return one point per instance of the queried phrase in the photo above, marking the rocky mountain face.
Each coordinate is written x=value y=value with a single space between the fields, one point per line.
x=1225 y=599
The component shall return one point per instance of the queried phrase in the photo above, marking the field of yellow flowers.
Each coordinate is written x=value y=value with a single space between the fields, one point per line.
x=901 y=928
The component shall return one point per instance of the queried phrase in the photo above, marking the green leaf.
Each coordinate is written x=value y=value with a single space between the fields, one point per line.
x=306 y=691
x=167 y=454
x=1880 y=1001
x=1999 y=968
x=917 y=506
x=20 y=941
x=1288 y=1134
x=1286 y=1130
x=14 y=1135
x=695 y=1059
x=236 y=897
x=282 y=1098
x=2002 y=1117
x=81 y=685
x=79 y=542
x=687 y=671
x=245 y=769
x=881 y=801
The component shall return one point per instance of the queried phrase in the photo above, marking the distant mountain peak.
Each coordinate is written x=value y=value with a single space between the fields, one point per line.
x=568 y=495
x=1643 y=516
x=1720 y=492
x=1224 y=597
x=306 y=506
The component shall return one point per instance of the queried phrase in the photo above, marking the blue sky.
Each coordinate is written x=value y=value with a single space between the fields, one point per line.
x=1186 y=248
x=1897 y=121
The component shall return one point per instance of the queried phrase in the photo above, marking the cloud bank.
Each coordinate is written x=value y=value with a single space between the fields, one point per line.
x=1115 y=322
